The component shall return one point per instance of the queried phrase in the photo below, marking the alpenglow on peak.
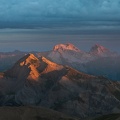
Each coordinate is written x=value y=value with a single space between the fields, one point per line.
x=98 y=49
x=68 y=46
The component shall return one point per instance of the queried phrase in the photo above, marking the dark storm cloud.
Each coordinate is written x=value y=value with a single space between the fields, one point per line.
x=20 y=10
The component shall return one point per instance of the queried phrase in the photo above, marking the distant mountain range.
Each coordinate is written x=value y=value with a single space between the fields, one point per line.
x=40 y=82
x=98 y=61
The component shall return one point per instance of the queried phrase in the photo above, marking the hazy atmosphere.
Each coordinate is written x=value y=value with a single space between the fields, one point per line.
x=59 y=59
x=35 y=25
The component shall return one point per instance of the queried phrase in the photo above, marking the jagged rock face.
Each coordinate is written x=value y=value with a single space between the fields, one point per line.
x=100 y=50
x=44 y=83
x=63 y=47
x=99 y=61
x=30 y=71
x=68 y=54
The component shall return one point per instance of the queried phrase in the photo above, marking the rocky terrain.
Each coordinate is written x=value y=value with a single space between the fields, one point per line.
x=31 y=113
x=108 y=117
x=99 y=61
x=40 y=82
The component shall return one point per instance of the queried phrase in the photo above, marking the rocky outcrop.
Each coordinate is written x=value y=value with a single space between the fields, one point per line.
x=44 y=83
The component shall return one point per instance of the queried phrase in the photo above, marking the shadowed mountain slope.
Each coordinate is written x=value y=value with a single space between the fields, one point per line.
x=38 y=81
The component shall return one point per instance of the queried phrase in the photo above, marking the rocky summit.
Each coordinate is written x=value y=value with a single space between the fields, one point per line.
x=98 y=61
x=41 y=82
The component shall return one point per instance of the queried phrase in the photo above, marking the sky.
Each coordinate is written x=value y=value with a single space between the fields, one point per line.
x=35 y=10
x=40 y=24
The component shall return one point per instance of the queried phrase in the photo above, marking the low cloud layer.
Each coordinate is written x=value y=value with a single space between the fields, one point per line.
x=20 y=10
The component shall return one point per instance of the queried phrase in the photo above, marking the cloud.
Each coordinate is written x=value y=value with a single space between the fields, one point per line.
x=14 y=10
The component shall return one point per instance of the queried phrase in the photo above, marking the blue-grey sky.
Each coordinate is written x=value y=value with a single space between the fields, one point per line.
x=50 y=10
x=44 y=39
x=47 y=13
x=40 y=24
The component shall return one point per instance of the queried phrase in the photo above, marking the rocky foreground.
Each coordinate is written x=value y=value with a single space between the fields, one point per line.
x=39 y=113
x=31 y=113
x=40 y=82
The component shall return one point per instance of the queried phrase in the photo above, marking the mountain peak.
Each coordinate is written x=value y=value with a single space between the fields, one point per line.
x=24 y=66
x=30 y=67
x=68 y=46
x=28 y=59
x=99 y=49
x=32 y=56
